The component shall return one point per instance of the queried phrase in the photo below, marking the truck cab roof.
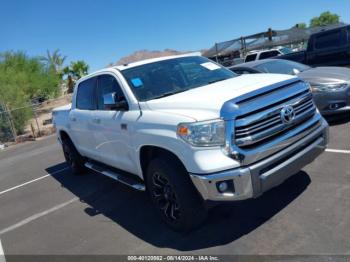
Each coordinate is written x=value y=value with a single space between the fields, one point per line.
x=152 y=60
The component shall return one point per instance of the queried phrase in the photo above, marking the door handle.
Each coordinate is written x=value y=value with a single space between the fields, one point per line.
x=73 y=119
x=96 y=120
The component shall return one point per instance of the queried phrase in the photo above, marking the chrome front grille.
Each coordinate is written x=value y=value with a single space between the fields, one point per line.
x=263 y=123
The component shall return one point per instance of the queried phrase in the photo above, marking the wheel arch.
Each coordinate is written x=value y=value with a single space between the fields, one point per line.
x=149 y=152
x=63 y=135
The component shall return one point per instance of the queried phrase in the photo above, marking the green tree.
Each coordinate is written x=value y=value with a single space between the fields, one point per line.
x=326 y=18
x=301 y=25
x=54 y=61
x=23 y=78
x=75 y=71
x=79 y=69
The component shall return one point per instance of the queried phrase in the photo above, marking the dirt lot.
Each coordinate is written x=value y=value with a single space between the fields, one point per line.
x=44 y=116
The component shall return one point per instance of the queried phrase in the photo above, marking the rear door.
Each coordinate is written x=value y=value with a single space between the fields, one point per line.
x=80 y=118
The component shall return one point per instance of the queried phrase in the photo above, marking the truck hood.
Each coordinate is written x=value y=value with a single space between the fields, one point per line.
x=205 y=102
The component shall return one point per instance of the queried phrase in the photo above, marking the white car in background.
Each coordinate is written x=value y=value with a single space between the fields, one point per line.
x=263 y=54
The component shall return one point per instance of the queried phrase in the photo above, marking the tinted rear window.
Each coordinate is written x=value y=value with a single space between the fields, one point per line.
x=326 y=40
x=85 y=95
x=347 y=35
x=251 y=57
x=268 y=54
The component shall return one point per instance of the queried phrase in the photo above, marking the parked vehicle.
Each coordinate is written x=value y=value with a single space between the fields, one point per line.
x=330 y=85
x=326 y=48
x=191 y=132
x=264 y=54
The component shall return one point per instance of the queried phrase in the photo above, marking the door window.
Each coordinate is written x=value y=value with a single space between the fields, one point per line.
x=107 y=84
x=85 y=95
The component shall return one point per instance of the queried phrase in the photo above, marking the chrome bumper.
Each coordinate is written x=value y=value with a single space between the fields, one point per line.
x=253 y=180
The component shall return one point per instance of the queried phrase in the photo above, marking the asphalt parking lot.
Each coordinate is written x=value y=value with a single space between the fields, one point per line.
x=46 y=210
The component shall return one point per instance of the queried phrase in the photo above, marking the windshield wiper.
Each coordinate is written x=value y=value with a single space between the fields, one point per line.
x=170 y=93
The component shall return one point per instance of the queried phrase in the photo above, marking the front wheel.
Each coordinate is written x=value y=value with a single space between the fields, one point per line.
x=174 y=195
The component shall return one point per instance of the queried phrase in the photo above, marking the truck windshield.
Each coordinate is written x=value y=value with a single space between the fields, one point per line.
x=168 y=77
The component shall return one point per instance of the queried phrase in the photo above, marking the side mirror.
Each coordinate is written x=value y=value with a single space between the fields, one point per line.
x=295 y=71
x=112 y=101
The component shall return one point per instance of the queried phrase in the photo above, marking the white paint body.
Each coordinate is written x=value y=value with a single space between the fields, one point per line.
x=155 y=122
x=259 y=53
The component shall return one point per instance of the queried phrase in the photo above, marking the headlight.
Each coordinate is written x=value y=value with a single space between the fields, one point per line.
x=328 y=87
x=206 y=133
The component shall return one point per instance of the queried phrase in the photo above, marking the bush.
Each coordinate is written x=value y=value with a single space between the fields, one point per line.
x=23 y=78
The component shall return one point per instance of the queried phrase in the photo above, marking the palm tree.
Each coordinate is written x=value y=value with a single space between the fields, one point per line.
x=79 y=69
x=75 y=71
x=70 y=82
x=54 y=60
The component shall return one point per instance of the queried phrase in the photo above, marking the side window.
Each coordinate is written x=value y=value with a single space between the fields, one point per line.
x=345 y=37
x=268 y=54
x=326 y=40
x=85 y=95
x=107 y=84
x=251 y=57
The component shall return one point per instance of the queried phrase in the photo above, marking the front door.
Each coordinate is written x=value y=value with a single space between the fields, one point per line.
x=112 y=128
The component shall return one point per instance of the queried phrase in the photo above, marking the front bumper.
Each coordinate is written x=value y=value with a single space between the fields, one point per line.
x=335 y=102
x=253 y=180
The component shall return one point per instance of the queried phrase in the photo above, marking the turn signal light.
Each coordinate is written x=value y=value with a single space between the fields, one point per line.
x=182 y=130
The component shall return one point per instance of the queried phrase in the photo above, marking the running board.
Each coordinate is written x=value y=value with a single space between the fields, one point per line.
x=126 y=180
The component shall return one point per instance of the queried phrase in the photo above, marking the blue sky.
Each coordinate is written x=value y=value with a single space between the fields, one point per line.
x=103 y=31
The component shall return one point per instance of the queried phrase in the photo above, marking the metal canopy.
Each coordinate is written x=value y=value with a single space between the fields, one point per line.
x=267 y=39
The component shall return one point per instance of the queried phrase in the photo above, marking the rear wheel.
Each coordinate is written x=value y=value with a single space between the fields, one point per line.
x=74 y=160
x=174 y=195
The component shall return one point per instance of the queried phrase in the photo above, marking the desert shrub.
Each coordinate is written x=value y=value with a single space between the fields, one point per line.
x=23 y=78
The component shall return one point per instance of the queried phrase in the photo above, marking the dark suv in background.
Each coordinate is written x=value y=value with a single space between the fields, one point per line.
x=331 y=48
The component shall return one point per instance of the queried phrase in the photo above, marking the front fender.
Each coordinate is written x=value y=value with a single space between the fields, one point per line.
x=197 y=160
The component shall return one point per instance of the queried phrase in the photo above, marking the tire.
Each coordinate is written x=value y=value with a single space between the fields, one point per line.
x=174 y=195
x=74 y=160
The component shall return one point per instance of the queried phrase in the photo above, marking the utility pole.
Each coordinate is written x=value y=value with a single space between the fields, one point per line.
x=216 y=50
x=36 y=120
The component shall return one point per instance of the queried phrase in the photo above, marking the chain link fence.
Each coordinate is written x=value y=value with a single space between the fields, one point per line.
x=28 y=122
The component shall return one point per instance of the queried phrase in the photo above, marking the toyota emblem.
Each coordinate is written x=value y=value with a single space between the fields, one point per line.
x=287 y=114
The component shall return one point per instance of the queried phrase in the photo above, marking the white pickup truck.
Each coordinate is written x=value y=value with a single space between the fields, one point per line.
x=190 y=132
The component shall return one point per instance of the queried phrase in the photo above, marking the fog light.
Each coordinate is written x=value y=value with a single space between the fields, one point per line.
x=225 y=187
x=333 y=106
x=222 y=187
